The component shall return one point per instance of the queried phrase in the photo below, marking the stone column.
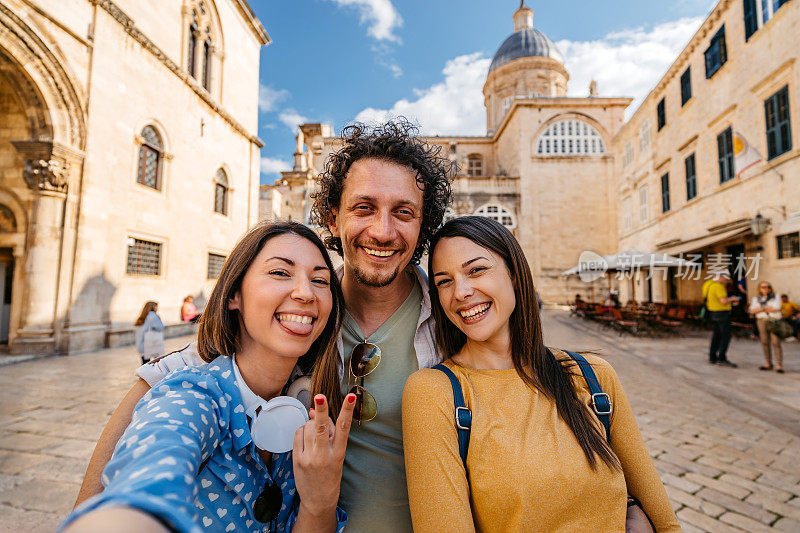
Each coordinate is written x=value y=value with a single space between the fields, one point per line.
x=46 y=173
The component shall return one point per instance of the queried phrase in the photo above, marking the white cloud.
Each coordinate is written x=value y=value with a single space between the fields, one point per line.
x=292 y=118
x=451 y=107
x=271 y=165
x=626 y=63
x=380 y=16
x=268 y=97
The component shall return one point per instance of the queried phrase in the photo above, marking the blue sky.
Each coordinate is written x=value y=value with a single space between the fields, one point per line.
x=334 y=61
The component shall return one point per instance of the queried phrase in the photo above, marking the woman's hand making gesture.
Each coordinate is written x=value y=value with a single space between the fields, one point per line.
x=318 y=456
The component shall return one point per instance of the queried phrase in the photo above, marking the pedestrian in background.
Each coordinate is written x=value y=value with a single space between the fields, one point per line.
x=149 y=332
x=189 y=311
x=719 y=313
x=766 y=306
x=791 y=313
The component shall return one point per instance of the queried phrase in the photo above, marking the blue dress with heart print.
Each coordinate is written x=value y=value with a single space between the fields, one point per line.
x=191 y=417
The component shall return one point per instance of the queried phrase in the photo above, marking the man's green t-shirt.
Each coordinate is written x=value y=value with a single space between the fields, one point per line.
x=374 y=492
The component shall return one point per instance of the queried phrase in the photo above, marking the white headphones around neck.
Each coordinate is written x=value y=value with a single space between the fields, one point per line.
x=273 y=423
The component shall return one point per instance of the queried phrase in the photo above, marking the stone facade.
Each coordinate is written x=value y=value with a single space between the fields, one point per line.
x=719 y=219
x=122 y=165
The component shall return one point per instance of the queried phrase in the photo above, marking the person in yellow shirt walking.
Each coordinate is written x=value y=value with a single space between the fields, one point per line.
x=791 y=313
x=718 y=304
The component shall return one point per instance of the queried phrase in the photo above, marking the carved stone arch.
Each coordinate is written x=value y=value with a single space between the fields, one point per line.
x=575 y=115
x=13 y=202
x=217 y=30
x=53 y=102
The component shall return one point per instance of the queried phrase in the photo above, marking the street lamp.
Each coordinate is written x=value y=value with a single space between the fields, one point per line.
x=759 y=225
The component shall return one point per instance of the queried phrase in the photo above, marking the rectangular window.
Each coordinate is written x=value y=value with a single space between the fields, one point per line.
x=627 y=218
x=144 y=257
x=644 y=135
x=779 y=128
x=662 y=114
x=750 y=19
x=725 y=153
x=757 y=13
x=691 y=178
x=474 y=166
x=686 y=86
x=627 y=154
x=643 y=204
x=665 y=193
x=789 y=245
x=717 y=53
x=215 y=262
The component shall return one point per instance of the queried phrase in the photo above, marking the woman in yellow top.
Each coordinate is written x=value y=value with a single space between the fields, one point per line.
x=538 y=458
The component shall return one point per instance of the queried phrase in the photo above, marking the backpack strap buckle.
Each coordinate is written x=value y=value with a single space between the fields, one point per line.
x=463 y=418
x=601 y=402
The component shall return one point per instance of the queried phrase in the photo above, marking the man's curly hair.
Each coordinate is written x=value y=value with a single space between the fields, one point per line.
x=396 y=142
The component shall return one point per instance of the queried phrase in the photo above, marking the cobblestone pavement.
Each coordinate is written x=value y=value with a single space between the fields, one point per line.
x=726 y=441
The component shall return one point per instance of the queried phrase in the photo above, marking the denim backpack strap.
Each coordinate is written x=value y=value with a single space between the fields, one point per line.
x=601 y=402
x=463 y=416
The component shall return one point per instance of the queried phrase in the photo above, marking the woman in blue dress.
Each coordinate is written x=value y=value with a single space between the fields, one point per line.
x=219 y=447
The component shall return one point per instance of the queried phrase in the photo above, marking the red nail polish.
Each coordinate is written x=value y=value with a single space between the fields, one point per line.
x=351 y=398
x=319 y=400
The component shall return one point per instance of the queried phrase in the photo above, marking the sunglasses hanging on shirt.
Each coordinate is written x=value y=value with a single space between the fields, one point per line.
x=268 y=504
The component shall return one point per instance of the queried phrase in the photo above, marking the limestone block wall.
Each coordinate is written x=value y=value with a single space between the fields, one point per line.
x=567 y=202
x=181 y=215
x=733 y=97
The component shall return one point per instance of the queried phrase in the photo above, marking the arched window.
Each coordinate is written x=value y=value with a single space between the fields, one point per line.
x=570 y=137
x=204 y=42
x=207 y=48
x=498 y=213
x=221 y=192
x=474 y=165
x=191 y=60
x=151 y=152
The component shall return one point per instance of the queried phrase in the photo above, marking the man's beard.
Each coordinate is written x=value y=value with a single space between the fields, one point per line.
x=375 y=280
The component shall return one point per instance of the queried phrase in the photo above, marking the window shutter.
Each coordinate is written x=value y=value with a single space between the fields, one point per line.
x=750 y=21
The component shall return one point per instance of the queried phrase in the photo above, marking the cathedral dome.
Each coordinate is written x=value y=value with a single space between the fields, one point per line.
x=525 y=42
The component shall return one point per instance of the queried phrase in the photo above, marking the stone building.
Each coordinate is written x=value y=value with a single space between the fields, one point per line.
x=708 y=165
x=544 y=169
x=128 y=160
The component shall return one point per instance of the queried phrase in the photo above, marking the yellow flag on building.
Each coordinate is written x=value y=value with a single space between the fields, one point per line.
x=744 y=155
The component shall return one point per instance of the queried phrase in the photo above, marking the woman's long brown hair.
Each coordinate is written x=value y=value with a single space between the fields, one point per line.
x=149 y=306
x=219 y=332
x=534 y=363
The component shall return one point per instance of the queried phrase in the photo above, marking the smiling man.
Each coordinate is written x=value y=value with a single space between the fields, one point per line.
x=382 y=196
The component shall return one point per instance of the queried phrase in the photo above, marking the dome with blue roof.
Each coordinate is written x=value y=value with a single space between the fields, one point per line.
x=525 y=41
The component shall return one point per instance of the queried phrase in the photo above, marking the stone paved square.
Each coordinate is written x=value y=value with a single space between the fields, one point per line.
x=725 y=441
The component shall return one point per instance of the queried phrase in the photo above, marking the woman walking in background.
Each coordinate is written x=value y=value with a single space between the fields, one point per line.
x=766 y=306
x=149 y=332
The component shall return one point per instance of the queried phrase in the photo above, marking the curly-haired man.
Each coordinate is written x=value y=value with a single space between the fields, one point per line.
x=382 y=196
